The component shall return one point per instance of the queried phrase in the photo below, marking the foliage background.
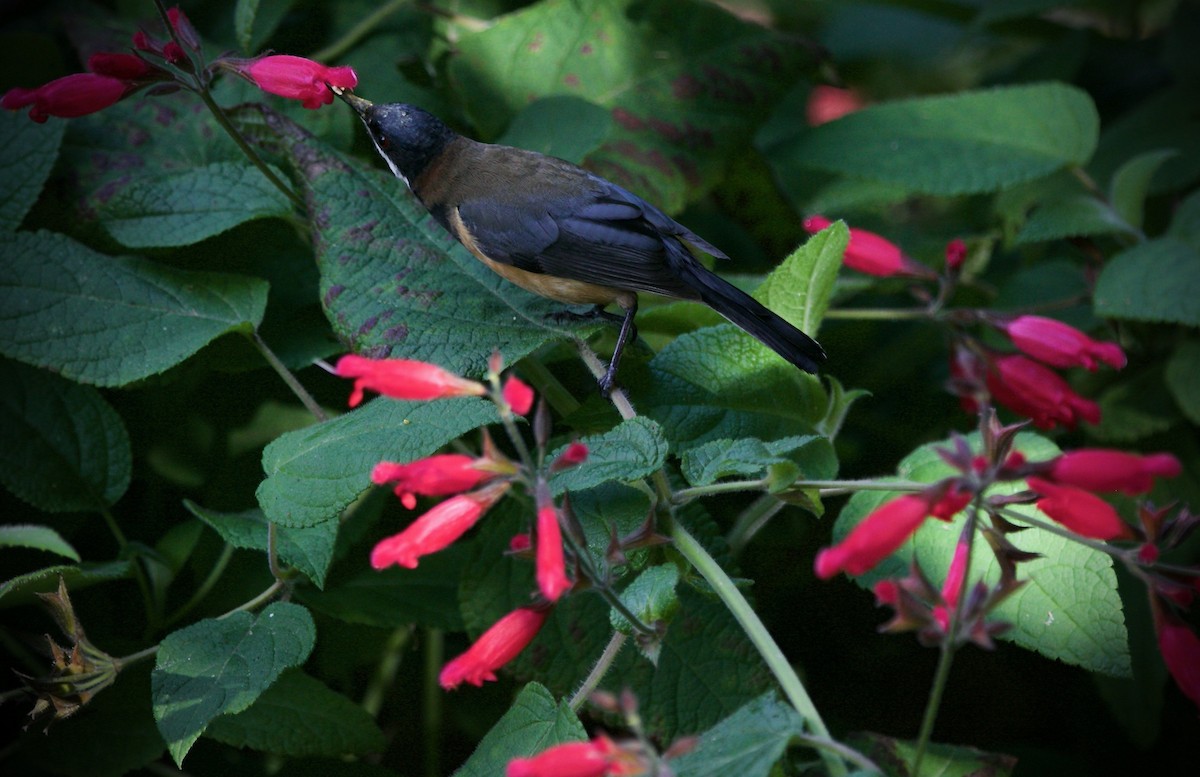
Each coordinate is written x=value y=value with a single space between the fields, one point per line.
x=125 y=182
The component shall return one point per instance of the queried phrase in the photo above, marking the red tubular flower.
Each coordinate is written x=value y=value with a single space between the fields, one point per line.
x=1180 y=648
x=870 y=253
x=551 y=571
x=575 y=454
x=826 y=103
x=297 y=78
x=518 y=395
x=126 y=67
x=953 y=584
x=448 y=473
x=1109 y=470
x=183 y=28
x=956 y=254
x=875 y=538
x=599 y=757
x=403 y=379
x=496 y=647
x=1080 y=511
x=436 y=529
x=1038 y=392
x=75 y=95
x=1060 y=345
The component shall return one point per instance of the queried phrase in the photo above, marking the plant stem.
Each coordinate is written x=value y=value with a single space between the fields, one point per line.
x=210 y=580
x=358 y=31
x=846 y=753
x=549 y=386
x=431 y=700
x=751 y=520
x=618 y=397
x=222 y=119
x=267 y=595
x=385 y=672
x=133 y=658
x=877 y=314
x=603 y=664
x=784 y=673
x=281 y=369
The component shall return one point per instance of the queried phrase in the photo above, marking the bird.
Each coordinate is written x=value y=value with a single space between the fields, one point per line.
x=560 y=231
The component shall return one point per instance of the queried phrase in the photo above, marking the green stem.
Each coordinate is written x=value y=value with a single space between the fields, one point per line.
x=210 y=580
x=267 y=595
x=549 y=386
x=281 y=369
x=603 y=664
x=222 y=119
x=358 y=32
x=842 y=751
x=688 y=494
x=751 y=521
x=139 y=574
x=385 y=673
x=133 y=658
x=784 y=673
x=878 y=314
x=431 y=700
x=618 y=397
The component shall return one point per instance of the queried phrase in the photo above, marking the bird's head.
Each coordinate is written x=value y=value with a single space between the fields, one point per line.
x=407 y=137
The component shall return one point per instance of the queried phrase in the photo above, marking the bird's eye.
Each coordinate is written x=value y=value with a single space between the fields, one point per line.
x=384 y=142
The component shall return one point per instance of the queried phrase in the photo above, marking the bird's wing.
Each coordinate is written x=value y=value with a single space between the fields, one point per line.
x=590 y=231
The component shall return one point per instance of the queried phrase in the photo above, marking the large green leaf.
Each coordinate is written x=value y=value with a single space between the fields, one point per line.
x=533 y=723
x=181 y=207
x=300 y=716
x=716 y=459
x=801 y=287
x=749 y=742
x=685 y=83
x=110 y=320
x=67 y=448
x=1069 y=610
x=314 y=473
x=27 y=153
x=971 y=142
x=221 y=666
x=1158 y=280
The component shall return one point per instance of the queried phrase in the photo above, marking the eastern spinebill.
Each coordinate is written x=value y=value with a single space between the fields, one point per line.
x=557 y=230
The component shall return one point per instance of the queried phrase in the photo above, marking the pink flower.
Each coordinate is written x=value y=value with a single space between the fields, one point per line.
x=1060 y=345
x=952 y=586
x=826 y=103
x=1080 y=511
x=1180 y=648
x=127 y=67
x=403 y=379
x=518 y=395
x=870 y=253
x=448 y=473
x=575 y=454
x=599 y=757
x=1108 y=470
x=297 y=78
x=875 y=538
x=496 y=647
x=956 y=254
x=1038 y=392
x=436 y=529
x=75 y=95
x=551 y=571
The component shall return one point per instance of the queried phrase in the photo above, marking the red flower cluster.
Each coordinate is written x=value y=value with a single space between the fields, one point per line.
x=295 y=78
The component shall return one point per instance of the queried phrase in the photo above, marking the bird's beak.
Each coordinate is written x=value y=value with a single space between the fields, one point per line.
x=359 y=105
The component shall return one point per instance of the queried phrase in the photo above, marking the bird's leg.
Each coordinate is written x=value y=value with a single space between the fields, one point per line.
x=628 y=331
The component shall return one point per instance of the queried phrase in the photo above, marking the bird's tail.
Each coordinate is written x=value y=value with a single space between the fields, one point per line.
x=755 y=318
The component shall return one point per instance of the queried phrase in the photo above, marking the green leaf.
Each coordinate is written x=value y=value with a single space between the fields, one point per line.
x=1185 y=221
x=393 y=282
x=68 y=449
x=651 y=597
x=562 y=126
x=1069 y=610
x=1140 y=405
x=300 y=716
x=308 y=548
x=21 y=589
x=217 y=667
x=800 y=288
x=110 y=320
x=38 y=538
x=748 y=743
x=314 y=473
x=1183 y=371
x=394 y=597
x=971 y=142
x=27 y=154
x=1158 y=280
x=532 y=724
x=1071 y=216
x=1131 y=183
x=255 y=20
x=719 y=382
x=940 y=760
x=685 y=83
x=181 y=207
x=631 y=450
x=716 y=459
